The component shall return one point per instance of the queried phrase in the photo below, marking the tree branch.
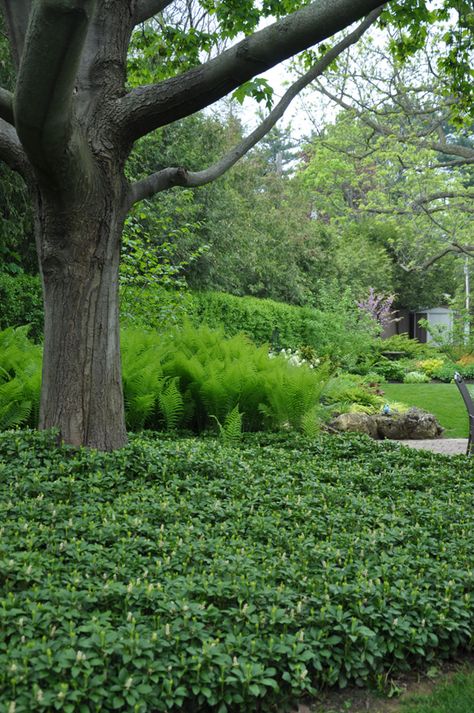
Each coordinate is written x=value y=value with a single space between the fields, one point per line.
x=45 y=85
x=146 y=108
x=146 y=9
x=11 y=151
x=443 y=194
x=16 y=13
x=422 y=202
x=6 y=106
x=452 y=248
x=441 y=146
x=179 y=176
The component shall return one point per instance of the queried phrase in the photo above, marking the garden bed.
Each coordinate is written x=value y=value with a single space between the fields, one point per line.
x=189 y=574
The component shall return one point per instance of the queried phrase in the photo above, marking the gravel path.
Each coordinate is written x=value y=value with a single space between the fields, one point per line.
x=447 y=446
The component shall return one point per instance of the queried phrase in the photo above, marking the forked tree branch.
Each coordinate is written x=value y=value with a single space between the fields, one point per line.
x=146 y=9
x=146 y=108
x=441 y=146
x=45 y=85
x=179 y=176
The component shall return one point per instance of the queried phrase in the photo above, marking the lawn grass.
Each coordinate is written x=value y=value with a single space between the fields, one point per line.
x=452 y=693
x=443 y=400
x=457 y=696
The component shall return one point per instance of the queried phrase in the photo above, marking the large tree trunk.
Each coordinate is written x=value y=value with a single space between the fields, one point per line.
x=79 y=248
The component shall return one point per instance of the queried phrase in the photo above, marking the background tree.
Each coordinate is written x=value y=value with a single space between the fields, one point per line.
x=68 y=129
x=396 y=196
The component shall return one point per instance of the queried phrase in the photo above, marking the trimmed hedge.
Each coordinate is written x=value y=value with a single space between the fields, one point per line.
x=338 y=335
x=191 y=575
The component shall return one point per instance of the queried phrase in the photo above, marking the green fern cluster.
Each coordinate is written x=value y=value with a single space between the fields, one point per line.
x=191 y=378
x=20 y=379
x=345 y=391
x=200 y=379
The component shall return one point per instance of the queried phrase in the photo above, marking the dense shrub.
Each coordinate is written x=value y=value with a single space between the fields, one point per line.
x=429 y=366
x=196 y=378
x=446 y=371
x=343 y=336
x=388 y=369
x=346 y=391
x=158 y=308
x=409 y=348
x=190 y=575
x=21 y=302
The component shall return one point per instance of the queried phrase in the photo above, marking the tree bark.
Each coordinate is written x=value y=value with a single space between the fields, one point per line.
x=79 y=248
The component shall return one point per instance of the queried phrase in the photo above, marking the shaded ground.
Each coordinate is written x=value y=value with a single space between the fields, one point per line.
x=403 y=689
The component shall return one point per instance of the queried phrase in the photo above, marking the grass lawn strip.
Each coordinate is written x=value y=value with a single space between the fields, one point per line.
x=457 y=696
x=442 y=400
x=450 y=692
x=190 y=574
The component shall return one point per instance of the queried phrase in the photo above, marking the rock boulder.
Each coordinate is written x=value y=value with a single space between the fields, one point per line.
x=414 y=424
x=358 y=422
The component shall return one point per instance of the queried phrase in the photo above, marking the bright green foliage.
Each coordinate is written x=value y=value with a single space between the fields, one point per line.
x=366 y=191
x=231 y=429
x=414 y=17
x=216 y=375
x=446 y=372
x=345 y=391
x=197 y=575
x=171 y=403
x=20 y=379
x=337 y=330
x=192 y=378
x=142 y=377
x=411 y=348
x=388 y=369
x=428 y=366
x=416 y=377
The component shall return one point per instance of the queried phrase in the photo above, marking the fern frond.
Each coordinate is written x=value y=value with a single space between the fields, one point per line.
x=311 y=422
x=232 y=428
x=171 y=404
x=15 y=409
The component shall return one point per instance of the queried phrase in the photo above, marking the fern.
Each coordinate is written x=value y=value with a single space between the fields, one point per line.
x=171 y=404
x=231 y=431
x=20 y=379
x=311 y=422
x=15 y=409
